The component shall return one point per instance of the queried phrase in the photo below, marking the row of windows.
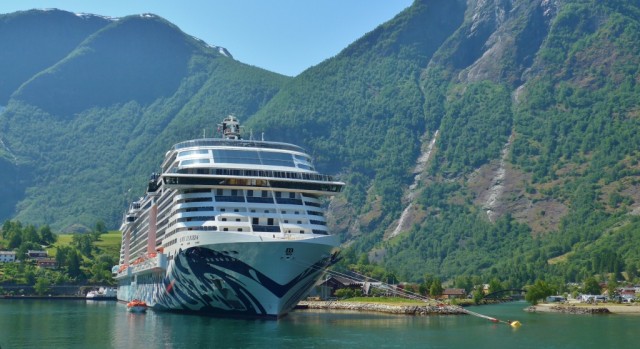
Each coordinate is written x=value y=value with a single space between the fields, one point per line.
x=258 y=173
x=292 y=185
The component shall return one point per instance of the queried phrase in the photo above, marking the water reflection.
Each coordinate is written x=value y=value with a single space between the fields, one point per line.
x=68 y=324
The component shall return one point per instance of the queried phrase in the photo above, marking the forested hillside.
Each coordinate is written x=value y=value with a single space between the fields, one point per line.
x=80 y=137
x=532 y=108
x=477 y=138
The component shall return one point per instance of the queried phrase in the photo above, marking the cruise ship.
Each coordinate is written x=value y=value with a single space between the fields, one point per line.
x=230 y=227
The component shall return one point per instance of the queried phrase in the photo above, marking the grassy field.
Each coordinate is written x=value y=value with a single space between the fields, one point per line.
x=109 y=243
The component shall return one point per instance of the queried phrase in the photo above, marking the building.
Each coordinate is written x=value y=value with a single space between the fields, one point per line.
x=7 y=256
x=48 y=263
x=326 y=288
x=454 y=293
x=35 y=254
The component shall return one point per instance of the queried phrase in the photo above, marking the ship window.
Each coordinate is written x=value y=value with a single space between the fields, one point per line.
x=194 y=161
x=255 y=157
x=193 y=152
x=249 y=192
x=301 y=158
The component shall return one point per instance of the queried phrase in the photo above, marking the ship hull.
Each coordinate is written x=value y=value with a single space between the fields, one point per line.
x=254 y=278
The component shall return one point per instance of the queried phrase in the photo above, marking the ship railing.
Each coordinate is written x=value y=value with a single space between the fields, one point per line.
x=227 y=198
x=260 y=200
x=288 y=201
x=265 y=228
x=153 y=262
x=269 y=174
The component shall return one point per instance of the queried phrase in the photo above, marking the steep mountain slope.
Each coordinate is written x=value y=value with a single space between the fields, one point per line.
x=361 y=112
x=536 y=148
x=81 y=136
x=34 y=40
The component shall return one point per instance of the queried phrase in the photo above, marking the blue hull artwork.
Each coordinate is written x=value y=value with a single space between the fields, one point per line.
x=207 y=281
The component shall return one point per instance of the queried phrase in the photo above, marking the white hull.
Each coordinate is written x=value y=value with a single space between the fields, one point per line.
x=230 y=226
x=246 y=278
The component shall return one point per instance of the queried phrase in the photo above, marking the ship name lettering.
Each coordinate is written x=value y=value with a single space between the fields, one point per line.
x=189 y=238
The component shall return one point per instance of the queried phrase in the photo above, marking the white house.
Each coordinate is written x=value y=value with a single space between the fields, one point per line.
x=7 y=256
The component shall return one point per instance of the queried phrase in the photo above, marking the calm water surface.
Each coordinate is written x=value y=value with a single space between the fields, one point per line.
x=81 y=324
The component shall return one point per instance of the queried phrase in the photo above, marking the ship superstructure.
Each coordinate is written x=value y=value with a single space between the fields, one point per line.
x=229 y=226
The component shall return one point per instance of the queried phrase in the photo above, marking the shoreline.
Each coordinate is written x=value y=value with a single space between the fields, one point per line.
x=579 y=308
x=419 y=310
x=57 y=297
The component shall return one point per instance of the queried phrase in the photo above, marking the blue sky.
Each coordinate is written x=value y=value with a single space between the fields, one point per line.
x=284 y=36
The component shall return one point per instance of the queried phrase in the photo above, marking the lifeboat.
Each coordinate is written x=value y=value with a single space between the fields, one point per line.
x=137 y=306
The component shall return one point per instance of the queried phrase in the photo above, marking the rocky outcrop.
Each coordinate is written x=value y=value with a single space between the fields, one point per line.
x=384 y=308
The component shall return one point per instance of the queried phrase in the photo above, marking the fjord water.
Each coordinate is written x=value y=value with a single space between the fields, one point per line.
x=85 y=324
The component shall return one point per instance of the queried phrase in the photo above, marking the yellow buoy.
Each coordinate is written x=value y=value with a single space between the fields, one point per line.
x=515 y=324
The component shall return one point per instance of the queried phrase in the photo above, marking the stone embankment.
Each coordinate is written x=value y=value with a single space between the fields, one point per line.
x=568 y=309
x=384 y=308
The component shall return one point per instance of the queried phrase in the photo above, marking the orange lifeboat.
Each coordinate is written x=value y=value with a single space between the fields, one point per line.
x=137 y=306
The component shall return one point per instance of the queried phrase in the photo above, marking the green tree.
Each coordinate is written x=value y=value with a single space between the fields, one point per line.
x=29 y=275
x=74 y=262
x=30 y=234
x=478 y=294
x=536 y=292
x=101 y=227
x=42 y=286
x=345 y=293
x=612 y=285
x=83 y=243
x=46 y=235
x=591 y=286
x=494 y=285
x=436 y=288
x=61 y=255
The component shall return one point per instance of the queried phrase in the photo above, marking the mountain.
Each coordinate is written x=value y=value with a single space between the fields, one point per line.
x=491 y=139
x=80 y=135
x=34 y=40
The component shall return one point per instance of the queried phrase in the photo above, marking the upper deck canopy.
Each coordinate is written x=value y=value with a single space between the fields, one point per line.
x=211 y=142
